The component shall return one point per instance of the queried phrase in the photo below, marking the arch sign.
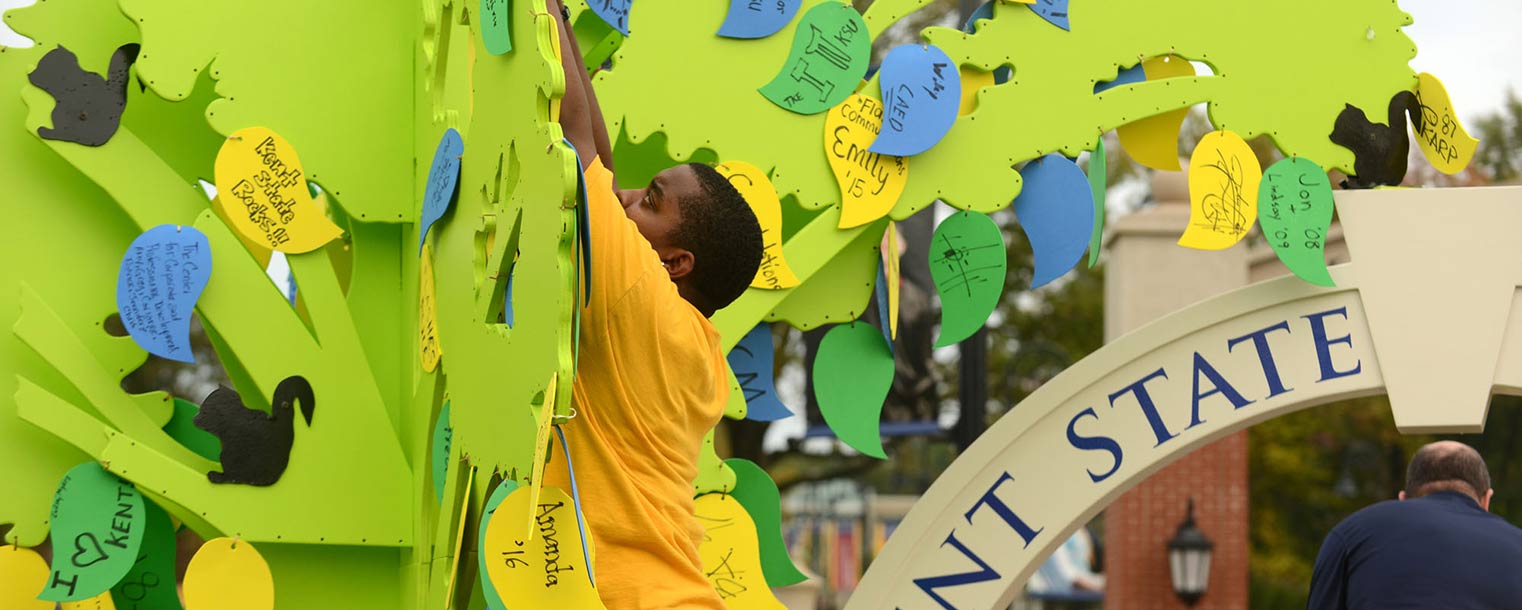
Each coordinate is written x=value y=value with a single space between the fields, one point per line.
x=1425 y=312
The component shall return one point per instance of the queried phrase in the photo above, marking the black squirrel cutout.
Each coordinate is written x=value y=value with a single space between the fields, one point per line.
x=1379 y=151
x=255 y=446
x=87 y=109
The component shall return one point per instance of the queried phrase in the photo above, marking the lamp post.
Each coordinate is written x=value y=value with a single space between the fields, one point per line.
x=1189 y=559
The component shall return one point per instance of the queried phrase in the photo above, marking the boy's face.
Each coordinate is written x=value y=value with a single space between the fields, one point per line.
x=655 y=208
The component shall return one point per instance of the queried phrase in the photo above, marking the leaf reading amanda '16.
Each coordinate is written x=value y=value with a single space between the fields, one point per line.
x=229 y=574
x=870 y=183
x=853 y=372
x=1223 y=192
x=921 y=90
x=757 y=190
x=731 y=554
x=161 y=277
x=1295 y=209
x=545 y=567
x=1443 y=140
x=1056 y=210
x=829 y=57
x=967 y=264
x=263 y=191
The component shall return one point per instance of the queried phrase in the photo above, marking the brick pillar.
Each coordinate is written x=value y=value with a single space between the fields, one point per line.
x=1148 y=276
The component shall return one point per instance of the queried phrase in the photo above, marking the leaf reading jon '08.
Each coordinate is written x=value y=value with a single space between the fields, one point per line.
x=1295 y=208
x=1223 y=192
x=967 y=263
x=830 y=51
x=853 y=372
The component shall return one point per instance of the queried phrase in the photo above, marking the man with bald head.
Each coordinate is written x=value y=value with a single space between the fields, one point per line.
x=1437 y=547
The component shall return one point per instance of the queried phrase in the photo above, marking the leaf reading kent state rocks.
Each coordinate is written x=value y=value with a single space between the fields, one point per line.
x=757 y=18
x=1054 y=12
x=229 y=574
x=1153 y=141
x=870 y=183
x=263 y=191
x=98 y=522
x=1223 y=192
x=752 y=360
x=443 y=438
x=496 y=30
x=488 y=591
x=545 y=567
x=967 y=264
x=1097 y=186
x=1443 y=140
x=613 y=12
x=161 y=277
x=757 y=190
x=853 y=371
x=757 y=493
x=23 y=574
x=922 y=91
x=429 y=349
x=831 y=48
x=1295 y=210
x=443 y=177
x=1056 y=210
x=731 y=554
x=150 y=583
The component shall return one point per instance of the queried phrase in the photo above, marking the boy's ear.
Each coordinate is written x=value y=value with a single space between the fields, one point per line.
x=678 y=263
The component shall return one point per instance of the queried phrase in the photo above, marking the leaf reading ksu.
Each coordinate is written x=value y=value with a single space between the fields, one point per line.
x=967 y=263
x=853 y=371
x=922 y=91
x=831 y=48
x=757 y=18
x=1056 y=210
x=98 y=522
x=751 y=360
x=161 y=277
x=870 y=183
x=1295 y=209
x=1223 y=192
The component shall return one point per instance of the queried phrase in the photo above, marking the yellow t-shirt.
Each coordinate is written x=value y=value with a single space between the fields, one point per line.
x=649 y=385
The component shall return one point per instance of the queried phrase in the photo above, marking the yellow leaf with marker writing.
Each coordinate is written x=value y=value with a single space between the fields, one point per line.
x=547 y=566
x=228 y=574
x=757 y=190
x=890 y=275
x=973 y=80
x=1153 y=141
x=1443 y=140
x=545 y=417
x=23 y=574
x=263 y=193
x=427 y=314
x=870 y=183
x=1223 y=192
x=731 y=554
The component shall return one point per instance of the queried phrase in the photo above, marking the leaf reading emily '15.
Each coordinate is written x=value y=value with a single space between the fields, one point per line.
x=443 y=177
x=263 y=190
x=229 y=574
x=752 y=362
x=545 y=567
x=731 y=554
x=1295 y=211
x=757 y=19
x=429 y=348
x=1056 y=209
x=922 y=91
x=853 y=372
x=23 y=574
x=831 y=48
x=97 y=529
x=870 y=183
x=1443 y=140
x=1223 y=192
x=774 y=274
x=1153 y=141
x=161 y=277
x=967 y=263
x=496 y=30
x=758 y=494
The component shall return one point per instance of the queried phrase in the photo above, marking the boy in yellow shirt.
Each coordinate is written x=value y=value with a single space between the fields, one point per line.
x=651 y=378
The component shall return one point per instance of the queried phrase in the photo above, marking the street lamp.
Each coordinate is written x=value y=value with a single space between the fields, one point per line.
x=1189 y=559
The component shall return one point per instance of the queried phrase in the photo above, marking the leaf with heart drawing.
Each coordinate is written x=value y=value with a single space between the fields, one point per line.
x=105 y=518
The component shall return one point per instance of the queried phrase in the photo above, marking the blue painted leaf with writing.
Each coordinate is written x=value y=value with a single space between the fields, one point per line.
x=489 y=592
x=1097 y=186
x=922 y=93
x=853 y=371
x=752 y=360
x=967 y=263
x=1295 y=210
x=1054 y=11
x=1056 y=210
x=757 y=18
x=443 y=177
x=1132 y=75
x=496 y=19
x=830 y=52
x=443 y=441
x=880 y=294
x=161 y=277
x=613 y=12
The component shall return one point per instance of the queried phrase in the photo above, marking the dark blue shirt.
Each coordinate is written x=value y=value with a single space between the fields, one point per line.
x=1439 y=551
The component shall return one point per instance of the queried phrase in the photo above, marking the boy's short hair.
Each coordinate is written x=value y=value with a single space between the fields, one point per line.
x=724 y=237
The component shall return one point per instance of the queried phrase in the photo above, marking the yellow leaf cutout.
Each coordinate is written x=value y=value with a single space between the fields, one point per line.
x=459 y=538
x=99 y=602
x=1153 y=141
x=757 y=190
x=23 y=575
x=870 y=184
x=546 y=567
x=546 y=416
x=973 y=80
x=1443 y=140
x=259 y=252
x=262 y=190
x=228 y=574
x=890 y=275
x=1223 y=192
x=731 y=554
x=427 y=314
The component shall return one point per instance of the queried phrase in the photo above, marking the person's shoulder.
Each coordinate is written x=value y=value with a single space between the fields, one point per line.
x=1374 y=515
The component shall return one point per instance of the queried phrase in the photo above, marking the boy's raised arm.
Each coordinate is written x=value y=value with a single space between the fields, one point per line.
x=580 y=115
